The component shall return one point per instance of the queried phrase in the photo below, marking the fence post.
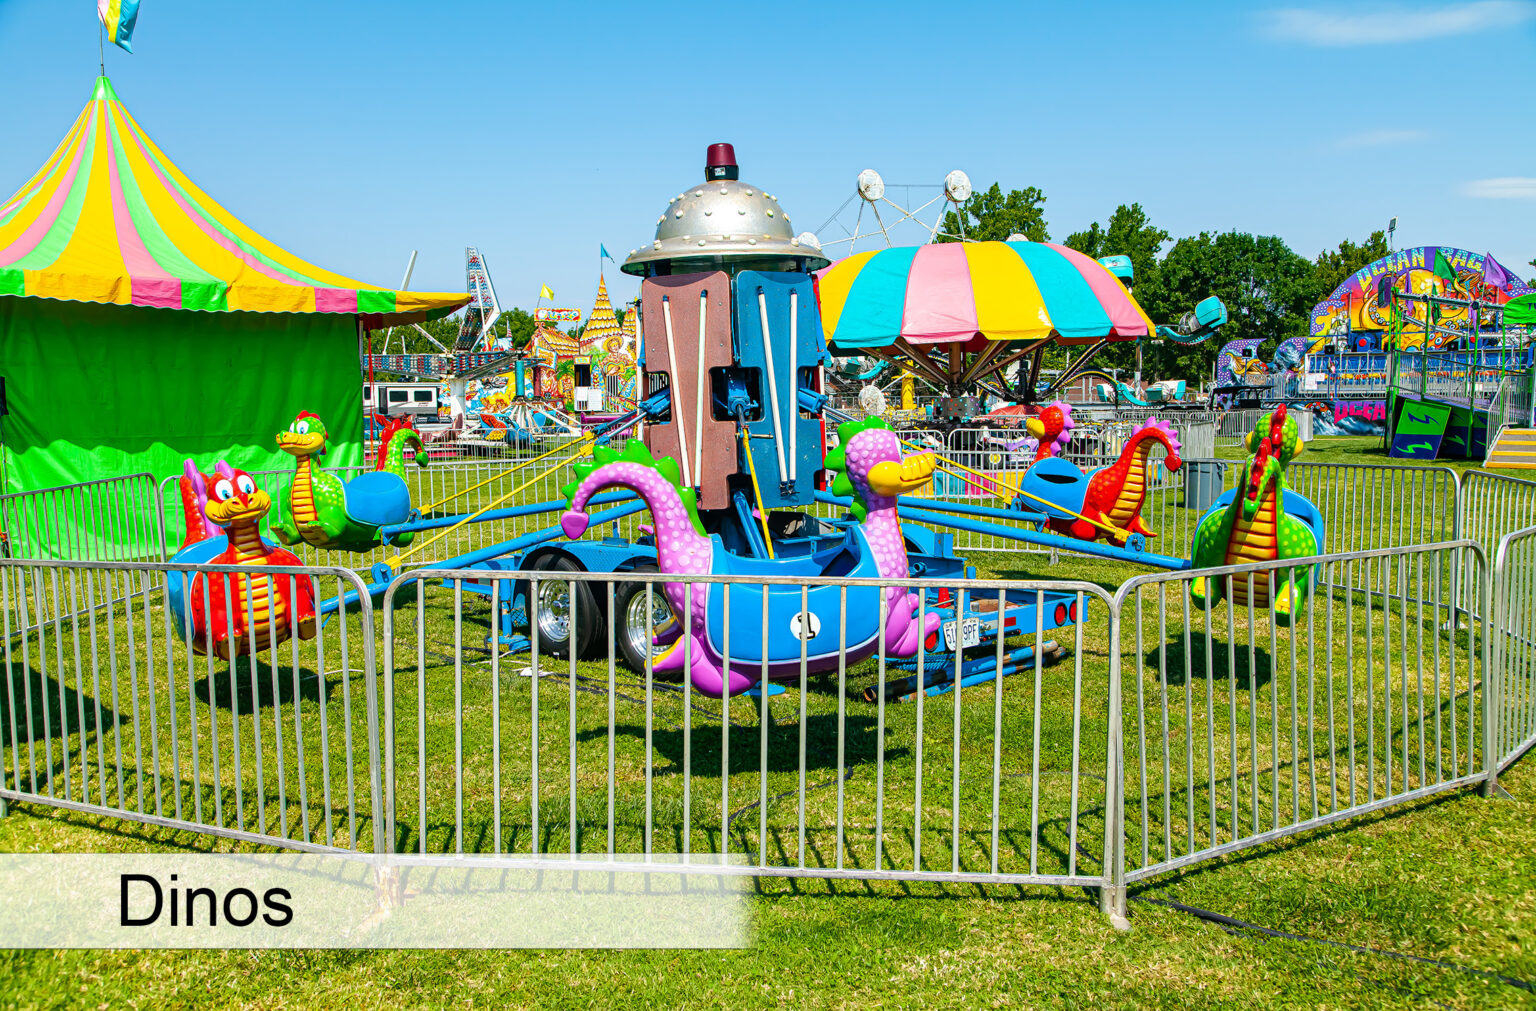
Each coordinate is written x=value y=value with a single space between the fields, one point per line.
x=1112 y=893
x=1496 y=611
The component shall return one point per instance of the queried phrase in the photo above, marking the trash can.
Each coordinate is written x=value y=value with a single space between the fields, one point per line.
x=1202 y=483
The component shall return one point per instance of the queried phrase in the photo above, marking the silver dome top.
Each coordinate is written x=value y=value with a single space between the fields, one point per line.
x=723 y=221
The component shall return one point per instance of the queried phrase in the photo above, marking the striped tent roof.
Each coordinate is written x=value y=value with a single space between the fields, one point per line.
x=109 y=218
x=952 y=293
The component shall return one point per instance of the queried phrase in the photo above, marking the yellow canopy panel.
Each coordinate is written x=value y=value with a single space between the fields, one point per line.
x=110 y=219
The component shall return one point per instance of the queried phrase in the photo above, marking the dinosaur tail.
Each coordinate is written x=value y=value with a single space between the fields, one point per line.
x=680 y=548
x=393 y=441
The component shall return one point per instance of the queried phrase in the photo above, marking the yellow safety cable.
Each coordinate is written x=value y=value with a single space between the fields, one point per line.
x=509 y=471
x=395 y=561
x=762 y=514
x=1106 y=527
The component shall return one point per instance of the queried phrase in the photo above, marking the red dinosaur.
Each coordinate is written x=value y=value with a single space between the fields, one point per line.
x=238 y=613
x=1105 y=503
x=1115 y=493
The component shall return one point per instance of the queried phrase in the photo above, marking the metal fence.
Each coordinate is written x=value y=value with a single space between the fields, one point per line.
x=1239 y=730
x=107 y=710
x=481 y=756
x=1163 y=725
x=116 y=519
x=1514 y=647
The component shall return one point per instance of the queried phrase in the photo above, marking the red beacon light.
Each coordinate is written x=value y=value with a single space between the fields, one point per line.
x=720 y=163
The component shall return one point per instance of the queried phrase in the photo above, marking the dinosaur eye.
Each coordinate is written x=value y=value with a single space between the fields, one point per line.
x=302 y=428
x=224 y=491
x=245 y=484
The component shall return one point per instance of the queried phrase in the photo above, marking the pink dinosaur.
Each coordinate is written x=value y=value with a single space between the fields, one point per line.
x=870 y=467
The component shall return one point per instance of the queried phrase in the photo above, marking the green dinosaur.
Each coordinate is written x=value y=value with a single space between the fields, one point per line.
x=1262 y=520
x=322 y=510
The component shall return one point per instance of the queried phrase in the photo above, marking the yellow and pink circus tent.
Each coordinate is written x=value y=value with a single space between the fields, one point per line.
x=142 y=323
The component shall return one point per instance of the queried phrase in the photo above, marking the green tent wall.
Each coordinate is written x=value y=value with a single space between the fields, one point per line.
x=98 y=391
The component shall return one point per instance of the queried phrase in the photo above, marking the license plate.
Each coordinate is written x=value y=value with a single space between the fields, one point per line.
x=970 y=633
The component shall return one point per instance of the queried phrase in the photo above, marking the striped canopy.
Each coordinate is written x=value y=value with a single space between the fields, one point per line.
x=956 y=292
x=110 y=219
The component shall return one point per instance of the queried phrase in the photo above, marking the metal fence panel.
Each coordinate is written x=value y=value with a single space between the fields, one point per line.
x=492 y=752
x=1239 y=730
x=107 y=710
x=530 y=472
x=1514 y=646
x=112 y=519
x=1493 y=506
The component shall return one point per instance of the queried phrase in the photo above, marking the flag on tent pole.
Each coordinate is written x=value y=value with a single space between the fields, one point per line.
x=1494 y=273
x=603 y=253
x=544 y=292
x=118 y=18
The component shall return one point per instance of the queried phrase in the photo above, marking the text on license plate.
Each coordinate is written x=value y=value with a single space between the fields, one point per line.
x=970 y=633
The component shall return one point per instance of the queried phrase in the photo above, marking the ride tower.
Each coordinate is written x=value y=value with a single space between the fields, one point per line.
x=731 y=330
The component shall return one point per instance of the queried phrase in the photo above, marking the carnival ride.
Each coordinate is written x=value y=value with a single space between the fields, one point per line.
x=1414 y=346
x=977 y=318
x=734 y=442
x=474 y=354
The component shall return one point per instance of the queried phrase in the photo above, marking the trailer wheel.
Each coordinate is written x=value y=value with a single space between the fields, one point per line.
x=552 y=610
x=633 y=633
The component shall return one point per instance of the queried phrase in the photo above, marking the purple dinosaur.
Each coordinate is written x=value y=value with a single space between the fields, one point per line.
x=869 y=466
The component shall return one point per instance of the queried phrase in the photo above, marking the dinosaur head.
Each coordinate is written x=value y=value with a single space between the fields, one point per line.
x=868 y=462
x=1274 y=443
x=1053 y=427
x=235 y=499
x=305 y=437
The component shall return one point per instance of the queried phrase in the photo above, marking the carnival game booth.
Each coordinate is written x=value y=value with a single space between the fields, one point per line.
x=141 y=324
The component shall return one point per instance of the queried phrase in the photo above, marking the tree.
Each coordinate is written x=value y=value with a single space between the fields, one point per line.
x=1334 y=266
x=1532 y=281
x=518 y=324
x=1130 y=233
x=1266 y=286
x=991 y=217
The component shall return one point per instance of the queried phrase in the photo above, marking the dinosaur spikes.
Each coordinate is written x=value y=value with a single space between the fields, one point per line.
x=1153 y=424
x=667 y=468
x=635 y=452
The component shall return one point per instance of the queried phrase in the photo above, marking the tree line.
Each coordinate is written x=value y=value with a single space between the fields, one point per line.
x=1269 y=289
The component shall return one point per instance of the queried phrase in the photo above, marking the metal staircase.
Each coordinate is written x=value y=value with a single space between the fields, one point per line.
x=1514 y=448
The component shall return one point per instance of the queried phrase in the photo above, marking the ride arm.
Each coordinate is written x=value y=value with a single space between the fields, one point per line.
x=650 y=409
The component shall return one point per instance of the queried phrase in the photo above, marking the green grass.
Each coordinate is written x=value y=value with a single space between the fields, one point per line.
x=1449 y=878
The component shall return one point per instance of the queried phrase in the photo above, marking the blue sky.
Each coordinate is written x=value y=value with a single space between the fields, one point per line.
x=352 y=133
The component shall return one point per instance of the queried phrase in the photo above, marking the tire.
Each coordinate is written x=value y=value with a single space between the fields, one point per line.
x=631 y=633
x=551 y=612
